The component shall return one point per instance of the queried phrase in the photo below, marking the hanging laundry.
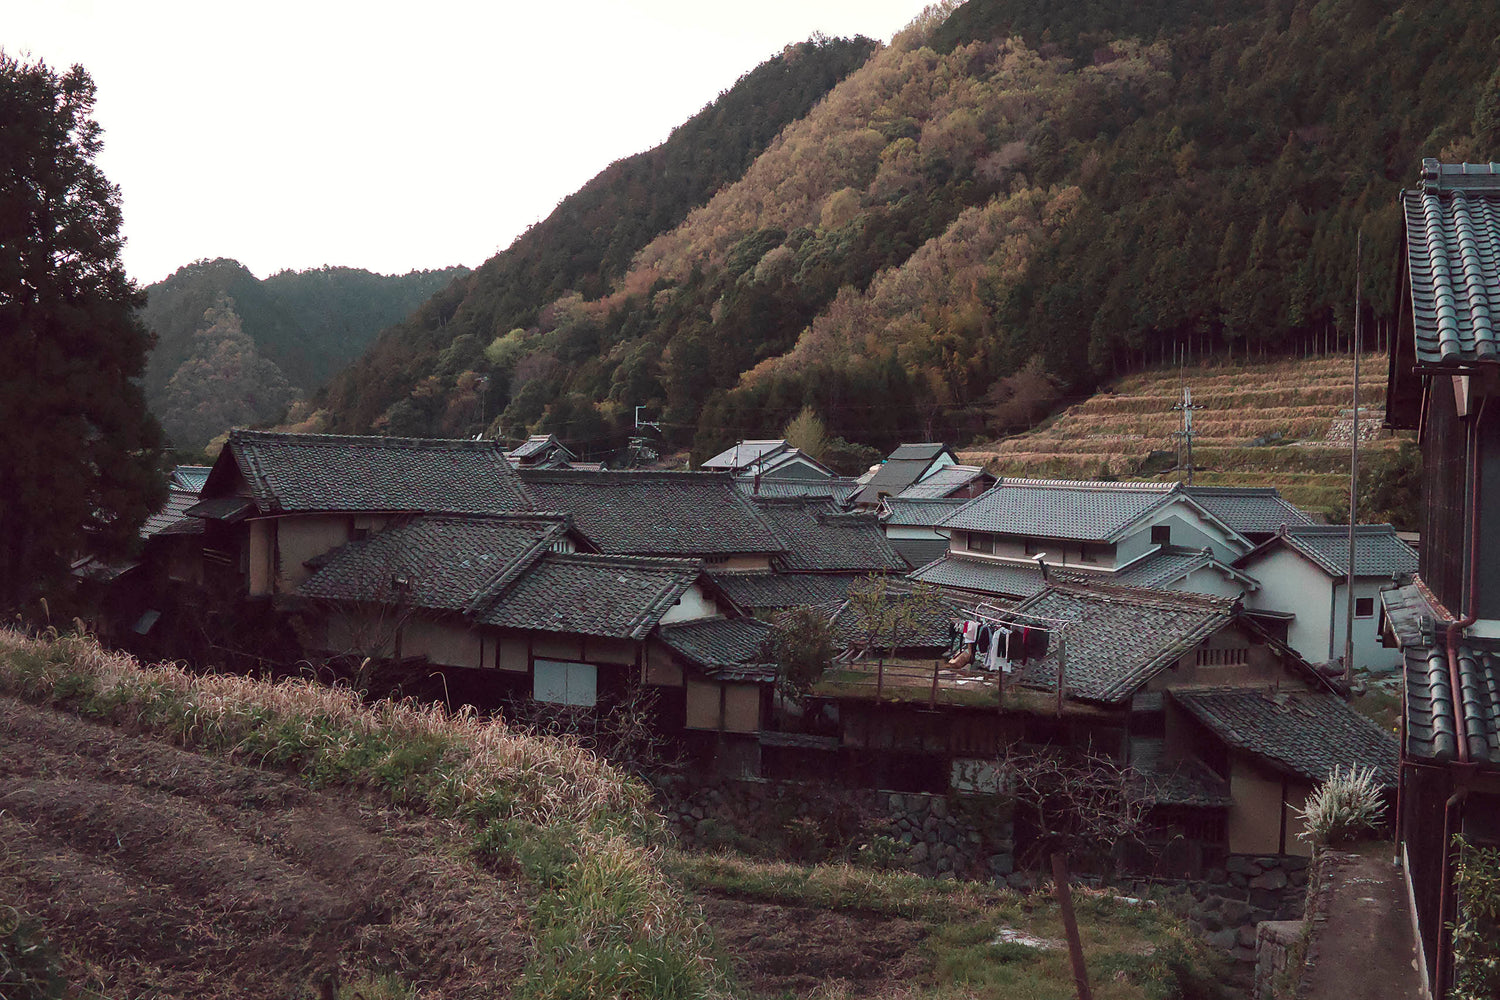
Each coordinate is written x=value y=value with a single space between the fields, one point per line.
x=997 y=643
x=1036 y=643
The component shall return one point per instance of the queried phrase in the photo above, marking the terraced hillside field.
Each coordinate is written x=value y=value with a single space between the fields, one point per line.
x=1282 y=423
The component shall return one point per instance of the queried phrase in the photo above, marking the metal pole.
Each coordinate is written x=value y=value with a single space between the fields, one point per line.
x=1070 y=924
x=1353 y=475
x=1062 y=664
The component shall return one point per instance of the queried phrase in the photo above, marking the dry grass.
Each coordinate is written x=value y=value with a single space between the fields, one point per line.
x=607 y=922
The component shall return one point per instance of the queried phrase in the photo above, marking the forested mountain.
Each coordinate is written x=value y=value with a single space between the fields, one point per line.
x=1059 y=191
x=233 y=349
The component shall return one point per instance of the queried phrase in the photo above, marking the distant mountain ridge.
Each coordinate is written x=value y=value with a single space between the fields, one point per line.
x=1010 y=202
x=272 y=339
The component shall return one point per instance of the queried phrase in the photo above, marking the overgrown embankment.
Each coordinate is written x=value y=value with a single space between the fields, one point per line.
x=153 y=867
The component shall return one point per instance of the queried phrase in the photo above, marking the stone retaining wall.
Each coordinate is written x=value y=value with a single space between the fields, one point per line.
x=933 y=835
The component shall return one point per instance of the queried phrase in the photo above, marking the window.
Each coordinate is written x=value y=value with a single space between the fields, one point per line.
x=1035 y=546
x=1364 y=607
x=1161 y=534
x=1223 y=657
x=563 y=683
x=981 y=543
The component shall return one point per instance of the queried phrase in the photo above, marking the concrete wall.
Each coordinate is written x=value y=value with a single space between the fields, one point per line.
x=694 y=603
x=301 y=538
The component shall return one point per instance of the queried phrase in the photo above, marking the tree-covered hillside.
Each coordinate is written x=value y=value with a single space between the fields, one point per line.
x=232 y=348
x=1007 y=199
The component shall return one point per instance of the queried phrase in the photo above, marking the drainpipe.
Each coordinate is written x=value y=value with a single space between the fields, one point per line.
x=1445 y=902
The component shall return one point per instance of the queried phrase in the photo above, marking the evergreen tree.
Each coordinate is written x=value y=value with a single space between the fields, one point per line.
x=79 y=455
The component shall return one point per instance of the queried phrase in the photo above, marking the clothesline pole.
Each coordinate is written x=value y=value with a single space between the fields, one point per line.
x=932 y=696
x=1062 y=660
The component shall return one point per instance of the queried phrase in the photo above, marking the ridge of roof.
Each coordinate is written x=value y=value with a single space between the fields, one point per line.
x=1091 y=484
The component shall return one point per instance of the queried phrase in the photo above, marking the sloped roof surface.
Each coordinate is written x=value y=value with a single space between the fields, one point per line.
x=943 y=482
x=917 y=512
x=655 y=513
x=1171 y=563
x=724 y=647
x=536 y=444
x=172 y=519
x=819 y=538
x=745 y=453
x=1248 y=510
x=615 y=596
x=1377 y=550
x=850 y=626
x=314 y=472
x=1045 y=508
x=1177 y=782
x=903 y=468
x=981 y=576
x=190 y=477
x=449 y=563
x=1432 y=724
x=1453 y=261
x=773 y=591
x=839 y=489
x=918 y=552
x=1119 y=637
x=1306 y=733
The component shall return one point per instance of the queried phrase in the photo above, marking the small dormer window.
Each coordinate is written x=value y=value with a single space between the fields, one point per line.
x=981 y=543
x=1161 y=534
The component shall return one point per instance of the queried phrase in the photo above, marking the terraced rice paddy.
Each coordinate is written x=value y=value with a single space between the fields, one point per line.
x=1282 y=423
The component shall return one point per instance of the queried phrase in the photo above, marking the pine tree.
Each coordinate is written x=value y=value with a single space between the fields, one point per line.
x=79 y=455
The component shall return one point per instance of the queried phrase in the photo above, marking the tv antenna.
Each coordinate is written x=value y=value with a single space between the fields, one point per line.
x=1185 y=436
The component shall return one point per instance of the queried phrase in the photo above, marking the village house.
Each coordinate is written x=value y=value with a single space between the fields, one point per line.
x=541 y=451
x=1444 y=373
x=1156 y=535
x=1232 y=728
x=908 y=465
x=911 y=525
x=949 y=482
x=769 y=459
x=1304 y=574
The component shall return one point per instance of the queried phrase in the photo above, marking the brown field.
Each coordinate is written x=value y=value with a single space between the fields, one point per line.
x=1114 y=432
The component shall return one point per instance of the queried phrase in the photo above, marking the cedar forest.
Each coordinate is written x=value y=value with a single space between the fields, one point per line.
x=1006 y=199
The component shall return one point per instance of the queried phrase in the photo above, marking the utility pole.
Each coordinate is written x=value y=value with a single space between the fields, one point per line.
x=1185 y=436
x=1353 y=474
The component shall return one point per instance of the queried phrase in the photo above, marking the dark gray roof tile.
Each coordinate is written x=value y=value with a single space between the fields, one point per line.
x=1046 y=508
x=1252 y=511
x=944 y=482
x=818 y=537
x=774 y=591
x=982 y=577
x=615 y=596
x=1377 y=550
x=724 y=648
x=1453 y=261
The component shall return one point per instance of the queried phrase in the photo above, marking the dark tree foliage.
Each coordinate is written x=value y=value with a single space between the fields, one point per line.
x=79 y=455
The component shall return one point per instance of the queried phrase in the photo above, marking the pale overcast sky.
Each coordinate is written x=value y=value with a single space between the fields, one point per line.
x=390 y=136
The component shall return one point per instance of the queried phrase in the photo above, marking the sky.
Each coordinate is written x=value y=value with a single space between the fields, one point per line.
x=390 y=136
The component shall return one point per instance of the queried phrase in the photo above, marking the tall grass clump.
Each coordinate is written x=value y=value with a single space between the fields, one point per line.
x=576 y=826
x=1346 y=806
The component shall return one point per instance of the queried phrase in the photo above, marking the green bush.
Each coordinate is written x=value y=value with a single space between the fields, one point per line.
x=27 y=968
x=1476 y=933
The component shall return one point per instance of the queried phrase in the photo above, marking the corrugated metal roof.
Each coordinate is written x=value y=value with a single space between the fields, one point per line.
x=1304 y=732
x=1070 y=509
x=1453 y=261
x=744 y=454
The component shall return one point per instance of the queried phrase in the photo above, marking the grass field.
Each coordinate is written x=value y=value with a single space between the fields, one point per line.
x=1280 y=423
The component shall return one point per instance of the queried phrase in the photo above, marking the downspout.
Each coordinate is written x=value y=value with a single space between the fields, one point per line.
x=1461 y=725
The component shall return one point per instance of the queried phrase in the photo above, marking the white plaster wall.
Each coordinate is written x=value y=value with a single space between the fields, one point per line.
x=1291 y=584
x=694 y=603
x=1189 y=529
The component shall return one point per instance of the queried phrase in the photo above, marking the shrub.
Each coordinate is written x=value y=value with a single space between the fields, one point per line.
x=1476 y=933
x=1345 y=806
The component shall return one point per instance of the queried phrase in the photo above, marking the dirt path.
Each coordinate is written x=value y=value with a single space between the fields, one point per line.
x=1367 y=936
x=165 y=873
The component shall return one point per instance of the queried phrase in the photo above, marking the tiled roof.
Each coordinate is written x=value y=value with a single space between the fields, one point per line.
x=172 y=519
x=1431 y=721
x=917 y=512
x=1453 y=261
x=655 y=513
x=1171 y=563
x=1119 y=637
x=944 y=482
x=1045 y=508
x=819 y=538
x=918 y=552
x=231 y=509
x=726 y=648
x=903 y=468
x=314 y=472
x=839 y=489
x=1177 y=782
x=190 y=477
x=931 y=632
x=980 y=576
x=744 y=454
x=773 y=591
x=1302 y=732
x=535 y=445
x=1377 y=550
x=616 y=596
x=1248 y=510
x=448 y=563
